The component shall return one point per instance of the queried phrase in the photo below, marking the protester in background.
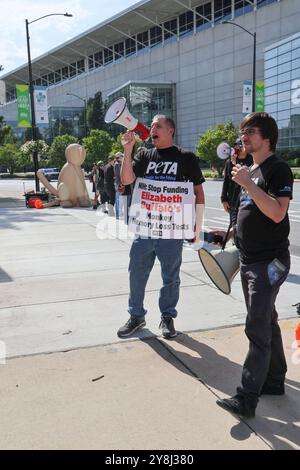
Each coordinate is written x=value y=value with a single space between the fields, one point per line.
x=231 y=190
x=92 y=178
x=109 y=184
x=119 y=187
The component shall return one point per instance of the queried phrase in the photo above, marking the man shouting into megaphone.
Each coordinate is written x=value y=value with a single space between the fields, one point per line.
x=168 y=183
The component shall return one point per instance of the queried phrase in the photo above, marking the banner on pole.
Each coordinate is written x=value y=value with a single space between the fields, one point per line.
x=23 y=106
x=40 y=105
x=260 y=97
x=247 y=97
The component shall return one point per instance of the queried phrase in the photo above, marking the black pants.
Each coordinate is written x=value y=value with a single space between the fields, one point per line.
x=265 y=361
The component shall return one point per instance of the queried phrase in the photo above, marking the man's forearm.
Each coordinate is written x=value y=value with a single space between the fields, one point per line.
x=268 y=205
x=126 y=173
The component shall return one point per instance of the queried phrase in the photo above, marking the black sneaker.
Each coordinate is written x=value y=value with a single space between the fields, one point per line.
x=272 y=389
x=167 y=327
x=133 y=324
x=238 y=405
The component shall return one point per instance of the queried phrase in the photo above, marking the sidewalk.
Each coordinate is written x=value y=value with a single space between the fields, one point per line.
x=64 y=289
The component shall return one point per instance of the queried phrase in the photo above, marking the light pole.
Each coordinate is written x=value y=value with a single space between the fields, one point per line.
x=33 y=121
x=254 y=60
x=84 y=111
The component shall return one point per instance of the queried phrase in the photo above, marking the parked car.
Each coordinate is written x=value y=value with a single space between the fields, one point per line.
x=50 y=173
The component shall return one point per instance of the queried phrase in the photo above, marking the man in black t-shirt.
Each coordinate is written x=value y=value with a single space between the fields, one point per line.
x=261 y=235
x=164 y=162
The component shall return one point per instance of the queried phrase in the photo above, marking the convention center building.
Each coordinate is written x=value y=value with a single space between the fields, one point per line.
x=179 y=58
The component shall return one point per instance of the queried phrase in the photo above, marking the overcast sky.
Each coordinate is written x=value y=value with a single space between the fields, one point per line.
x=48 y=32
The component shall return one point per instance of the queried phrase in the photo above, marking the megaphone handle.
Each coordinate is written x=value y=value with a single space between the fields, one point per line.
x=226 y=237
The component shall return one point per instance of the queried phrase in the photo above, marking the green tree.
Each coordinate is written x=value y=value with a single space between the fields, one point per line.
x=6 y=132
x=117 y=146
x=206 y=147
x=56 y=155
x=9 y=154
x=63 y=127
x=98 y=146
x=95 y=112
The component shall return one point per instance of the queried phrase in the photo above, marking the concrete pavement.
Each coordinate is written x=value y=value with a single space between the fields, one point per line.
x=64 y=288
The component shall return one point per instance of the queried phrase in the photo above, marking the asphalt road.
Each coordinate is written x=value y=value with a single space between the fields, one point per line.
x=215 y=216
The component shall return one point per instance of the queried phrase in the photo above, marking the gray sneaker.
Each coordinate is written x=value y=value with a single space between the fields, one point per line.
x=167 y=327
x=133 y=324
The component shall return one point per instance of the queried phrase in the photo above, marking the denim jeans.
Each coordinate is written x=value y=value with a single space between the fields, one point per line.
x=265 y=361
x=118 y=204
x=142 y=257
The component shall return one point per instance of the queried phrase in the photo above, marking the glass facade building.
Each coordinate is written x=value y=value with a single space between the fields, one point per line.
x=145 y=100
x=282 y=89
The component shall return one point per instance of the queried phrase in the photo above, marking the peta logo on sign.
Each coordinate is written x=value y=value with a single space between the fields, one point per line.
x=162 y=168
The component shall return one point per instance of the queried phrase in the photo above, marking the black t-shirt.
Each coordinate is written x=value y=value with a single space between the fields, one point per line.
x=171 y=164
x=257 y=236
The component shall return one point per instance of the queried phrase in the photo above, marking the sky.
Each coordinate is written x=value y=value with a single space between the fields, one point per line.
x=48 y=33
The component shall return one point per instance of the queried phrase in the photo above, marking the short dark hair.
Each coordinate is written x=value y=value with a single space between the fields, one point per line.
x=266 y=125
x=170 y=122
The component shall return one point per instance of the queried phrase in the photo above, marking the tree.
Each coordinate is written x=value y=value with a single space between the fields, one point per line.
x=95 y=112
x=98 y=146
x=57 y=150
x=6 y=132
x=9 y=154
x=206 y=147
x=25 y=159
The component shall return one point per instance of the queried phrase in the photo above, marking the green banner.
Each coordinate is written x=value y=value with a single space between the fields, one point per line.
x=260 y=97
x=23 y=106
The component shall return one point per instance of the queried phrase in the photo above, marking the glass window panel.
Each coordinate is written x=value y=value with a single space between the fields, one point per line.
x=130 y=46
x=296 y=63
x=271 y=90
x=284 y=58
x=73 y=69
x=270 y=72
x=119 y=50
x=271 y=53
x=80 y=66
x=270 y=99
x=108 y=56
x=51 y=78
x=284 y=86
x=296 y=43
x=91 y=62
x=204 y=10
x=296 y=74
x=284 y=114
x=271 y=81
x=57 y=76
x=65 y=73
x=155 y=35
x=285 y=95
x=171 y=27
x=98 y=59
x=271 y=63
x=282 y=123
x=186 y=22
x=143 y=39
x=284 y=48
x=282 y=105
x=296 y=53
x=271 y=108
x=284 y=77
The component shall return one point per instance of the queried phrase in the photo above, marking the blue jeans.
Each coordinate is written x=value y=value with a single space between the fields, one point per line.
x=142 y=256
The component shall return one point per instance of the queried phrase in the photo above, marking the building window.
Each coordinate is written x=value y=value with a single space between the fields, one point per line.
x=65 y=73
x=171 y=27
x=73 y=69
x=186 y=22
x=222 y=8
x=130 y=46
x=143 y=40
x=80 y=66
x=91 y=62
x=45 y=80
x=108 y=56
x=241 y=7
x=119 y=50
x=98 y=56
x=204 y=11
x=57 y=76
x=155 y=35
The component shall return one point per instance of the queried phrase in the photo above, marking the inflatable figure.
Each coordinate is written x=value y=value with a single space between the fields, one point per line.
x=71 y=188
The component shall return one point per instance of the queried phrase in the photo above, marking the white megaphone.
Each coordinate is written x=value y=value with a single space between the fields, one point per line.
x=118 y=113
x=221 y=265
x=224 y=150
